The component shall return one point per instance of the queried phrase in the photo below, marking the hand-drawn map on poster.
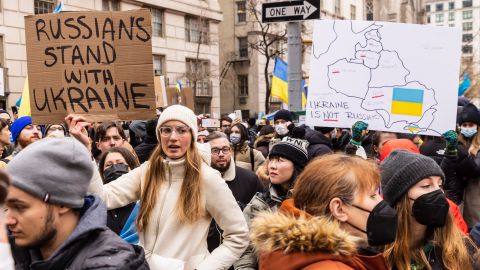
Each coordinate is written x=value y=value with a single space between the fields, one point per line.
x=395 y=77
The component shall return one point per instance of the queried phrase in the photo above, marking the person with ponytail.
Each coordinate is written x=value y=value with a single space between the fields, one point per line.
x=286 y=161
x=427 y=237
x=179 y=194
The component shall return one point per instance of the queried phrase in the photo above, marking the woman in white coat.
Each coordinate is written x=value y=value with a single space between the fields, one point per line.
x=179 y=195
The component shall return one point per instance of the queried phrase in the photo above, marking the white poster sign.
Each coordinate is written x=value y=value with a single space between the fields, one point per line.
x=395 y=77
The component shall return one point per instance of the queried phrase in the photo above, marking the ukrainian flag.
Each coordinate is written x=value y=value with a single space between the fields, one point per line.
x=25 y=109
x=280 y=80
x=279 y=88
x=407 y=101
x=178 y=86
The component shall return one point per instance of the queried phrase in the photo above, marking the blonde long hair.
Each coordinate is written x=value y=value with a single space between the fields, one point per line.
x=189 y=205
x=448 y=238
x=473 y=146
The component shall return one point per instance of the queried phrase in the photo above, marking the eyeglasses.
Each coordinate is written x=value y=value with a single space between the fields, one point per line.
x=225 y=150
x=168 y=131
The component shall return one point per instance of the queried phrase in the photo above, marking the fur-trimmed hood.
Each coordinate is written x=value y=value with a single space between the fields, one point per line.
x=289 y=242
x=277 y=231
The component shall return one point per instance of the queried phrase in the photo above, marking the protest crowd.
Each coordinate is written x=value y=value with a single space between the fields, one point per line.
x=172 y=190
x=168 y=193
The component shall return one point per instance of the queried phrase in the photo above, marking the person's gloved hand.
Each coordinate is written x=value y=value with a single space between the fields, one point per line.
x=357 y=131
x=452 y=143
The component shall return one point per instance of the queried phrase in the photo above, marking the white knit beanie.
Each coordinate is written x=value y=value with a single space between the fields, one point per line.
x=179 y=113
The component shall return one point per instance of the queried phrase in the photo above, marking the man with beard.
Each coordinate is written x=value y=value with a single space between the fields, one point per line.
x=24 y=133
x=243 y=183
x=53 y=223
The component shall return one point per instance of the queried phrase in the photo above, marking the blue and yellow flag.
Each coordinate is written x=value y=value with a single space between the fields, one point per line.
x=279 y=88
x=280 y=80
x=407 y=101
x=178 y=85
x=25 y=109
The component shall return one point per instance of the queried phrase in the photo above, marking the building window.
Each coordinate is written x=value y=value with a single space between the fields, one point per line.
x=369 y=10
x=452 y=25
x=241 y=11
x=243 y=47
x=427 y=8
x=159 y=65
x=439 y=7
x=439 y=17
x=44 y=6
x=337 y=7
x=467 y=14
x=466 y=26
x=157 y=22
x=111 y=5
x=197 y=69
x=467 y=49
x=451 y=16
x=428 y=19
x=196 y=30
x=467 y=37
x=467 y=3
x=451 y=5
x=198 y=73
x=353 y=12
x=243 y=85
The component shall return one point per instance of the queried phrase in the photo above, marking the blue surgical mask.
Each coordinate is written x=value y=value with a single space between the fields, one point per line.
x=468 y=132
x=235 y=138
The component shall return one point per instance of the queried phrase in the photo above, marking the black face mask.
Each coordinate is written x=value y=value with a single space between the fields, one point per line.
x=431 y=209
x=381 y=224
x=113 y=172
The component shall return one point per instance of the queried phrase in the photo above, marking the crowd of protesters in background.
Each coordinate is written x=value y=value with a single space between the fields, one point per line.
x=169 y=193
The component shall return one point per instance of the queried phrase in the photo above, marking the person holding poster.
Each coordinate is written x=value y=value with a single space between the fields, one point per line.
x=427 y=237
x=179 y=195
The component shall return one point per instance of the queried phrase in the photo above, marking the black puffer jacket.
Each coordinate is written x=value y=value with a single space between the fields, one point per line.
x=90 y=246
x=318 y=143
x=454 y=168
x=145 y=149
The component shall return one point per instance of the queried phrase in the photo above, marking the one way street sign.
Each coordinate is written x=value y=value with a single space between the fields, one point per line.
x=290 y=11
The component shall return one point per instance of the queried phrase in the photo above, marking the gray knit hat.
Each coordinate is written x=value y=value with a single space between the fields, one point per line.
x=54 y=170
x=402 y=169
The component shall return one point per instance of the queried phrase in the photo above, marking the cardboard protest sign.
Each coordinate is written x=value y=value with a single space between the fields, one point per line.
x=395 y=77
x=98 y=64
x=160 y=91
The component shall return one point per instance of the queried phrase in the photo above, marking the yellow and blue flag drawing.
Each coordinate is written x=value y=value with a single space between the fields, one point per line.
x=407 y=101
x=279 y=88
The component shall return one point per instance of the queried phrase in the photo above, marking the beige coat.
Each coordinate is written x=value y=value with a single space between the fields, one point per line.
x=242 y=158
x=165 y=236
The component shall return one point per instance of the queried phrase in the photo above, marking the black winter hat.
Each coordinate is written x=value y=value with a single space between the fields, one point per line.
x=283 y=114
x=293 y=149
x=469 y=114
x=324 y=130
x=402 y=169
